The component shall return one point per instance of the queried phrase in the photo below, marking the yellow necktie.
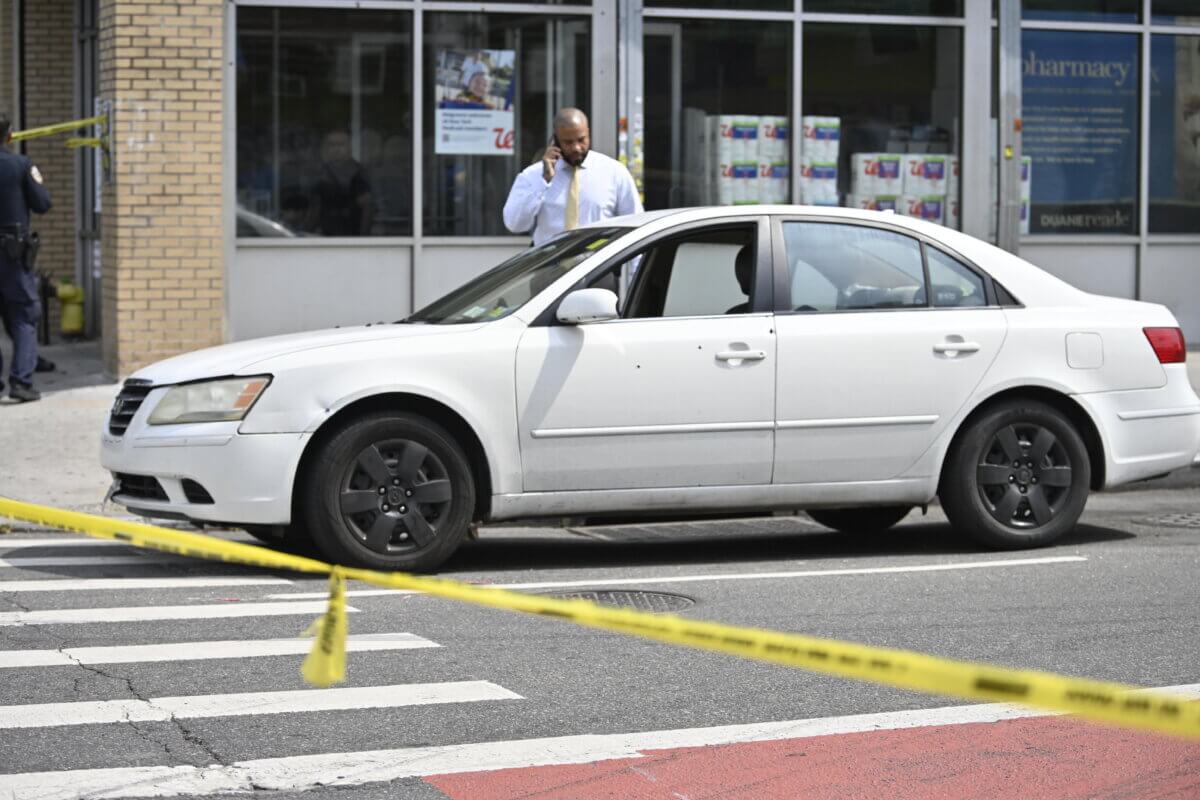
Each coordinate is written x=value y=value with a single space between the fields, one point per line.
x=572 y=217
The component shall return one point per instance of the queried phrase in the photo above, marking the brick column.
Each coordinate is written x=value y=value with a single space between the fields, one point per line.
x=162 y=257
x=8 y=49
x=49 y=90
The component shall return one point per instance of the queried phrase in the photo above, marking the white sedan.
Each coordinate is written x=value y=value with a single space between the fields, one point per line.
x=855 y=364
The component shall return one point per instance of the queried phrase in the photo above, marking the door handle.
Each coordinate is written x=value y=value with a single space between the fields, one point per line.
x=741 y=355
x=956 y=347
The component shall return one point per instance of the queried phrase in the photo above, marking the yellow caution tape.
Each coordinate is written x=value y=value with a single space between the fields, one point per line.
x=60 y=127
x=326 y=663
x=1114 y=703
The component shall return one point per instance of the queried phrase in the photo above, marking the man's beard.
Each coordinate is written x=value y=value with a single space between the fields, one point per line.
x=578 y=161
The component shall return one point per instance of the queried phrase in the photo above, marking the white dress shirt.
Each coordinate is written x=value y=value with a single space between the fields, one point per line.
x=606 y=189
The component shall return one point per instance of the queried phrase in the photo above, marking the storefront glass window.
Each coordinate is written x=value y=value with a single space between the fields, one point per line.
x=924 y=8
x=1175 y=12
x=1175 y=135
x=882 y=118
x=717 y=112
x=493 y=83
x=324 y=143
x=738 y=5
x=1080 y=110
x=1082 y=10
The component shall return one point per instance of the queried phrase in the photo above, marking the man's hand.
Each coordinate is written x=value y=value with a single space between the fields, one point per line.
x=550 y=161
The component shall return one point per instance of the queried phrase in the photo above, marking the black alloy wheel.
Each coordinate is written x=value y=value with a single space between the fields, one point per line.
x=390 y=491
x=394 y=495
x=1024 y=476
x=1017 y=477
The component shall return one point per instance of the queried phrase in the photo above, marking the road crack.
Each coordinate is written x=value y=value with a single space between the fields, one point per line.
x=147 y=733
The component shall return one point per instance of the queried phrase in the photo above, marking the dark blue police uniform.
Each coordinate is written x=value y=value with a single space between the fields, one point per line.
x=21 y=191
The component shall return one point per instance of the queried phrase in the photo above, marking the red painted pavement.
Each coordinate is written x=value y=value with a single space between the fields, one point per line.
x=1044 y=757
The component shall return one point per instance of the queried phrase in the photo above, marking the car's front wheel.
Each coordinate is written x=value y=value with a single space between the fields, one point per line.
x=1017 y=477
x=389 y=491
x=871 y=519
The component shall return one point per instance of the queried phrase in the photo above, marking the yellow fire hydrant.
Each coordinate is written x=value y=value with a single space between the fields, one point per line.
x=71 y=297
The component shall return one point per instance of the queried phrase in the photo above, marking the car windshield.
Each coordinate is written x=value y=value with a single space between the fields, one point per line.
x=502 y=290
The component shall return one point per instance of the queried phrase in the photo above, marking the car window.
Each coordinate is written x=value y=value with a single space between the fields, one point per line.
x=708 y=273
x=834 y=267
x=703 y=280
x=503 y=289
x=954 y=283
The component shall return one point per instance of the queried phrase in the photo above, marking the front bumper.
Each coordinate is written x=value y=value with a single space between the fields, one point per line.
x=249 y=478
x=1147 y=432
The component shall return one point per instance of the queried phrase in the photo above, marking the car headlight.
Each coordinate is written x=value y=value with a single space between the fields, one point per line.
x=222 y=400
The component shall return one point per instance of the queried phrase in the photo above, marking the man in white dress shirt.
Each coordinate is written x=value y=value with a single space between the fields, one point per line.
x=570 y=186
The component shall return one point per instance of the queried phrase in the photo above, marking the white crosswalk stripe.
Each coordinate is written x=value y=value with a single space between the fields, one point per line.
x=119 y=584
x=42 y=562
x=74 y=616
x=8 y=543
x=13 y=543
x=160 y=709
x=199 y=651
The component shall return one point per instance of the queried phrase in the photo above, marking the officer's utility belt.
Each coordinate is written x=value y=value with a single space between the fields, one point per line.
x=20 y=247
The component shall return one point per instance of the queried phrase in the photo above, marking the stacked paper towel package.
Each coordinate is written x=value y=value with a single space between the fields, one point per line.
x=819 y=145
x=919 y=185
x=747 y=159
x=912 y=184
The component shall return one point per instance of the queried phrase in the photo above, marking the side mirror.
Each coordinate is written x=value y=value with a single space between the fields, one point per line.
x=587 y=305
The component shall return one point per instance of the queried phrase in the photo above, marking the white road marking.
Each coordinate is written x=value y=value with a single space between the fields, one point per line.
x=13 y=543
x=66 y=540
x=68 y=616
x=96 y=584
x=198 y=651
x=33 y=562
x=298 y=773
x=159 y=709
x=738 y=576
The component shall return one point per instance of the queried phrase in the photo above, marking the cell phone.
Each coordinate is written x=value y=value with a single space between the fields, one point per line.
x=554 y=141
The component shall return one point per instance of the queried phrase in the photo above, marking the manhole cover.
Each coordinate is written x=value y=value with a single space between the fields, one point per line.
x=654 y=602
x=1189 y=520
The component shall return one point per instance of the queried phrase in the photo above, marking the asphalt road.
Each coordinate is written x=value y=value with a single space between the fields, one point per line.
x=1126 y=608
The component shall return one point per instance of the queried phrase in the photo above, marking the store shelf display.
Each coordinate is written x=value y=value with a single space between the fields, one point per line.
x=746 y=159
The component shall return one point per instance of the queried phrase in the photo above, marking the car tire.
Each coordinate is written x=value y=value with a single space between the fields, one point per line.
x=1018 y=476
x=424 y=494
x=869 y=519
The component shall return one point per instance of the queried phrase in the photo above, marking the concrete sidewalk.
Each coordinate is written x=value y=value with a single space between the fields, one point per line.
x=50 y=450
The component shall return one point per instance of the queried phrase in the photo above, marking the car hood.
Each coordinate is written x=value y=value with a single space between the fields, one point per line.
x=243 y=357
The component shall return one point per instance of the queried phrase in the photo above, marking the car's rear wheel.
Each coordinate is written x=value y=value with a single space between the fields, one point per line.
x=860 y=520
x=389 y=491
x=1017 y=477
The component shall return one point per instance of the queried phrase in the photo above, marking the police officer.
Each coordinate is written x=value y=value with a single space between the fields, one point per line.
x=21 y=191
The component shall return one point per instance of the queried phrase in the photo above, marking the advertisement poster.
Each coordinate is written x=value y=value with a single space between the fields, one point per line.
x=1175 y=135
x=1079 y=92
x=474 y=94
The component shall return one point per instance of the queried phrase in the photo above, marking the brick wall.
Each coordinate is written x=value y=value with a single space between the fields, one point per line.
x=162 y=254
x=49 y=28
x=8 y=44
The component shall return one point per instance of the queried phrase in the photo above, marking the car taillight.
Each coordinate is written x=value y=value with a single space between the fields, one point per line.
x=1168 y=344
